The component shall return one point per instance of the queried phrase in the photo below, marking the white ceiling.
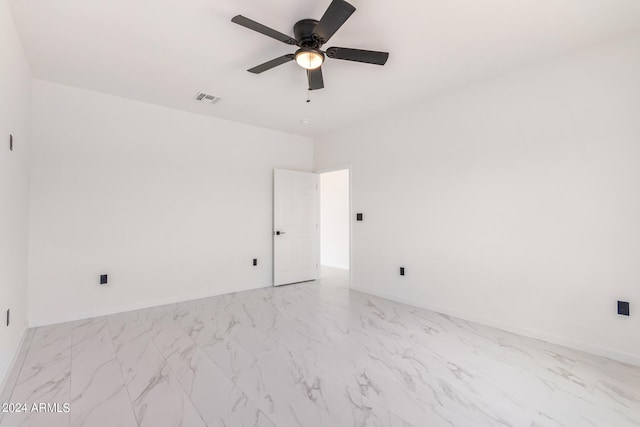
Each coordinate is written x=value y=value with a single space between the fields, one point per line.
x=164 y=52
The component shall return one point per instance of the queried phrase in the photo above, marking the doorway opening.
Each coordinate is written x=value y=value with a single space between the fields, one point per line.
x=335 y=220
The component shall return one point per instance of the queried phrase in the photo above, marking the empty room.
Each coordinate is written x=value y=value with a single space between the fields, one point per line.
x=296 y=213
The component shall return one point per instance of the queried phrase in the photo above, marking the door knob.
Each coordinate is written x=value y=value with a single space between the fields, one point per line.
x=277 y=233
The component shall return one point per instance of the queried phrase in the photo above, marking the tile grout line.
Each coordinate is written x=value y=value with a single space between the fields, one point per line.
x=180 y=327
x=71 y=366
x=168 y=366
x=289 y=350
x=309 y=321
x=124 y=380
x=306 y=320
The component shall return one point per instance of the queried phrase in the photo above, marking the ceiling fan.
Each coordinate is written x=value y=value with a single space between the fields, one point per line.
x=310 y=35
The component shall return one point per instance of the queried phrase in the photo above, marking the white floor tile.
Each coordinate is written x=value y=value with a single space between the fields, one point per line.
x=311 y=354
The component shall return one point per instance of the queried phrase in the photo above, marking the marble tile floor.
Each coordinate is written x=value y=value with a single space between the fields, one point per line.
x=310 y=354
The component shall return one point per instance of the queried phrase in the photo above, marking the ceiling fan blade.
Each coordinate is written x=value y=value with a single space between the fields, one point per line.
x=262 y=29
x=271 y=64
x=336 y=14
x=358 y=55
x=315 y=78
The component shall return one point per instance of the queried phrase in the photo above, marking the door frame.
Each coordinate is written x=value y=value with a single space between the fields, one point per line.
x=320 y=171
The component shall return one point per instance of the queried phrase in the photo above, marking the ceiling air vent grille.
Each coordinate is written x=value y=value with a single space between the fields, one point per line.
x=205 y=97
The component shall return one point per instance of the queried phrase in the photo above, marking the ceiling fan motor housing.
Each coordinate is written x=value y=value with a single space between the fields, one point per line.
x=304 y=33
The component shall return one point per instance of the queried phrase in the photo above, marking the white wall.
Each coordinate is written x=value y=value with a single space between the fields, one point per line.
x=334 y=218
x=15 y=105
x=515 y=203
x=172 y=205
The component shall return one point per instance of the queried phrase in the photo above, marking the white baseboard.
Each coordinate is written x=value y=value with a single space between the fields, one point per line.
x=564 y=341
x=43 y=321
x=4 y=376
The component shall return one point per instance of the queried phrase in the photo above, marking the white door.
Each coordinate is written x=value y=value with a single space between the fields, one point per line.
x=295 y=226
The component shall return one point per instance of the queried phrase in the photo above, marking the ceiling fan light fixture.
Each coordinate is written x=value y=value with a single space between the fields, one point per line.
x=309 y=59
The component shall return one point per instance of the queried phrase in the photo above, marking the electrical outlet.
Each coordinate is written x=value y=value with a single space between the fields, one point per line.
x=358 y=217
x=255 y=261
x=623 y=308
x=402 y=271
x=103 y=279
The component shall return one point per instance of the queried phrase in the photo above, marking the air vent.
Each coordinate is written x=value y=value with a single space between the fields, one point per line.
x=205 y=97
